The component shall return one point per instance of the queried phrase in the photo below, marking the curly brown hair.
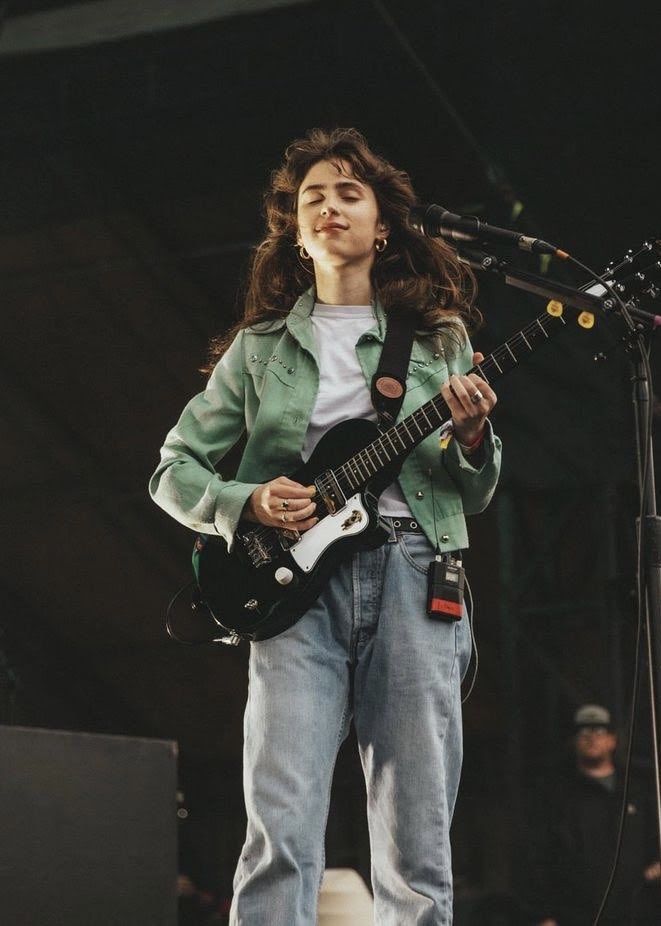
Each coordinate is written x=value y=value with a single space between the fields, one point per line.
x=414 y=274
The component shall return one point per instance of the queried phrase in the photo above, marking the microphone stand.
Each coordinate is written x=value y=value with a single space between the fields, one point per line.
x=649 y=528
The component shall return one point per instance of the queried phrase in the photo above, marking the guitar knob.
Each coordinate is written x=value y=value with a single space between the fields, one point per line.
x=283 y=575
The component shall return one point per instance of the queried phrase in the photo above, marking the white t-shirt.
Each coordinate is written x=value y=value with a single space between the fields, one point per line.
x=343 y=392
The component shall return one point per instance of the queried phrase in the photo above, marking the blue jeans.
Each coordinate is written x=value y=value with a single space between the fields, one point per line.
x=366 y=649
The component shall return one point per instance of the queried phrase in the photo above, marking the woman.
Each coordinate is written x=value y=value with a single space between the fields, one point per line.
x=338 y=257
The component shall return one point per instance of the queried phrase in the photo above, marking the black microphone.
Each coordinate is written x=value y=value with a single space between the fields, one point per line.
x=436 y=222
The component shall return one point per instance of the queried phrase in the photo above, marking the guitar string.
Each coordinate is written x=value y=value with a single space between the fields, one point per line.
x=524 y=337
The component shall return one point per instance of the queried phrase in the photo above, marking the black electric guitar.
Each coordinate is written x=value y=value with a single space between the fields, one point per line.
x=272 y=576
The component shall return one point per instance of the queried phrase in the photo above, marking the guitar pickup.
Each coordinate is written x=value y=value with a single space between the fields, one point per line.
x=329 y=492
x=354 y=518
x=287 y=537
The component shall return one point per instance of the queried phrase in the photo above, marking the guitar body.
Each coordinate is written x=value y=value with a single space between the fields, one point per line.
x=271 y=577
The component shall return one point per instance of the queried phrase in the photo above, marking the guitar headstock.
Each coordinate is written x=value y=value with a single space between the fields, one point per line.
x=639 y=272
x=635 y=278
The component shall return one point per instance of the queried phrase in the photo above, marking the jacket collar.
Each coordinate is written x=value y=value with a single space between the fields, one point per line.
x=298 y=323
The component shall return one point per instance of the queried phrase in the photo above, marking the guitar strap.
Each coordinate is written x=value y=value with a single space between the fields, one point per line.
x=389 y=381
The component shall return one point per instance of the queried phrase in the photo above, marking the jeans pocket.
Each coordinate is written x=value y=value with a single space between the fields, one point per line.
x=417 y=551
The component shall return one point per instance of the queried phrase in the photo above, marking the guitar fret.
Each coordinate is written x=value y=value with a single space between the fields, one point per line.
x=378 y=445
x=385 y=449
x=439 y=400
x=510 y=352
x=424 y=413
x=413 y=419
x=367 y=461
x=498 y=366
x=528 y=345
x=349 y=478
x=387 y=434
x=359 y=464
x=354 y=480
x=368 y=454
x=401 y=439
x=482 y=374
x=355 y=471
x=543 y=329
x=405 y=426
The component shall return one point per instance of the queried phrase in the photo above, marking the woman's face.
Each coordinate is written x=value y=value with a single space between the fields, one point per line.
x=338 y=216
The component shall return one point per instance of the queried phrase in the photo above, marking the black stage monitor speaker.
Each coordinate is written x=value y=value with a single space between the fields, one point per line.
x=87 y=829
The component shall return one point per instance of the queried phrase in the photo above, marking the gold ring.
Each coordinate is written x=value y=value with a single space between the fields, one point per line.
x=285 y=503
x=477 y=396
x=284 y=518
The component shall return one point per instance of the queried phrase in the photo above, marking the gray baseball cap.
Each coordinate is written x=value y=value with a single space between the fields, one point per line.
x=592 y=715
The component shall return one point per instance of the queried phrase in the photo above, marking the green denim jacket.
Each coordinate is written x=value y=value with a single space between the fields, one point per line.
x=265 y=386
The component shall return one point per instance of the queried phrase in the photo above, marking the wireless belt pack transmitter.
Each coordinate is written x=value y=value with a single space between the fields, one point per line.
x=445 y=588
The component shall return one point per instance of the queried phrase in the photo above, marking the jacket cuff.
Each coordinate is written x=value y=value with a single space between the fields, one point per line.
x=231 y=501
x=482 y=456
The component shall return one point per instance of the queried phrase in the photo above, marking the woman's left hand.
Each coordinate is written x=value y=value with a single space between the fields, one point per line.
x=470 y=399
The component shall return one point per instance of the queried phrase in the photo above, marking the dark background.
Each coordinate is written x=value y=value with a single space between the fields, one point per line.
x=131 y=174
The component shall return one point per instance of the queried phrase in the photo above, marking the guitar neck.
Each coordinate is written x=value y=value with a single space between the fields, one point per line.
x=401 y=438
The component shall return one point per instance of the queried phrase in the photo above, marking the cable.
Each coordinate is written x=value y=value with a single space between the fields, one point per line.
x=433 y=509
x=168 y=622
x=636 y=333
x=470 y=609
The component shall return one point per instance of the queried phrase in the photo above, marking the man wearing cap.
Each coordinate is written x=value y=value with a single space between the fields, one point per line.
x=577 y=835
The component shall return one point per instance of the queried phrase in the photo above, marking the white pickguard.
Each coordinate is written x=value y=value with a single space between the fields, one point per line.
x=348 y=521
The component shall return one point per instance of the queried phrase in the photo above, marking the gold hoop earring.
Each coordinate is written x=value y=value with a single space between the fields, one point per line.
x=303 y=253
x=381 y=244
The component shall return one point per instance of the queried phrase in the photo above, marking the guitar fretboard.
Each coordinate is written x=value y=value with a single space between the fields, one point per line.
x=401 y=438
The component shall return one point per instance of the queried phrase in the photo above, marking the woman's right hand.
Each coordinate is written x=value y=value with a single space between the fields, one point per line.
x=283 y=503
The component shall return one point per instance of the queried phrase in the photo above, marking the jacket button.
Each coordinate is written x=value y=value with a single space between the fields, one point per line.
x=253 y=358
x=291 y=370
x=445 y=538
x=419 y=494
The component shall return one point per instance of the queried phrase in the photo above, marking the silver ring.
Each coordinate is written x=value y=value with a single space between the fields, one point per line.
x=284 y=518
x=285 y=504
x=477 y=396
